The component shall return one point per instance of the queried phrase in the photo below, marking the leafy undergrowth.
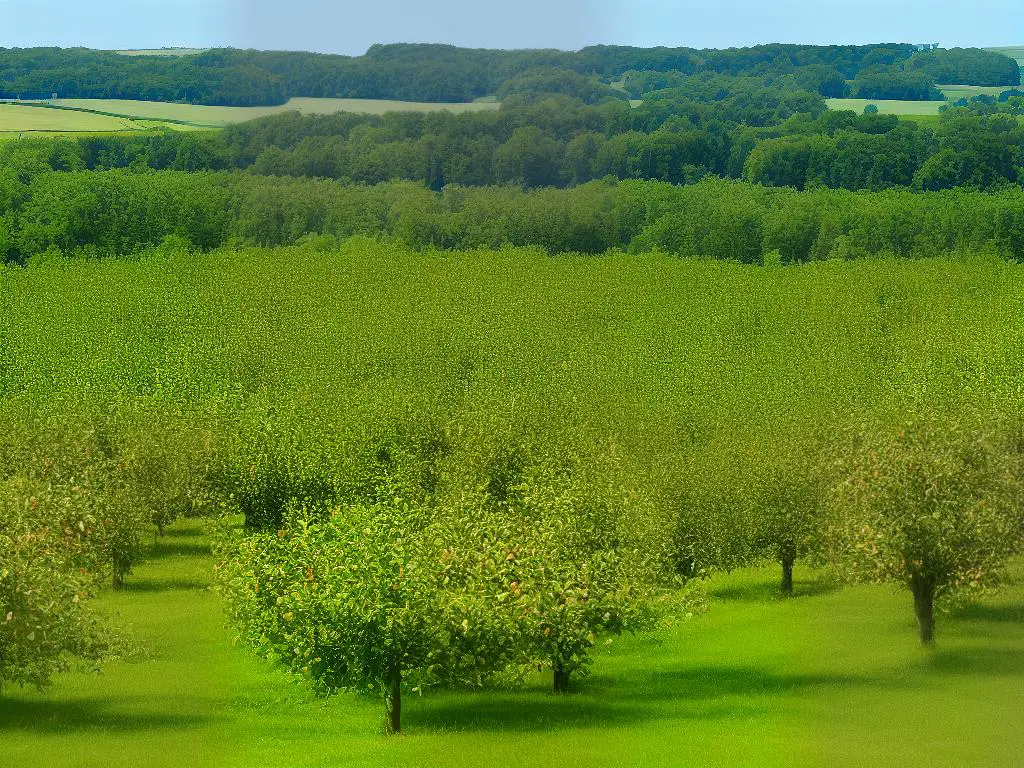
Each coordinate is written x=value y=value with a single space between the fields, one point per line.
x=829 y=677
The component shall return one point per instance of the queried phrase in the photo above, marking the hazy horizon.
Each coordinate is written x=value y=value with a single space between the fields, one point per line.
x=351 y=27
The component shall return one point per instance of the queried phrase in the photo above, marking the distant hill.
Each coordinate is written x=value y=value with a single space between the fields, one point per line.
x=444 y=73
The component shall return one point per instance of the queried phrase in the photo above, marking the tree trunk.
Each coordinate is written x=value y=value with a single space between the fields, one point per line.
x=787 y=556
x=787 y=577
x=393 y=703
x=122 y=567
x=924 y=607
x=561 y=680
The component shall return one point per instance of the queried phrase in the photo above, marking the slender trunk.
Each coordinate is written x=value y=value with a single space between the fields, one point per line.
x=393 y=723
x=122 y=567
x=787 y=556
x=924 y=607
x=561 y=680
x=787 y=577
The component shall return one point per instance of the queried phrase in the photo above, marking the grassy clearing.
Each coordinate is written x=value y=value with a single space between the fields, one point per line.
x=888 y=106
x=955 y=92
x=16 y=118
x=163 y=52
x=831 y=677
x=119 y=115
x=213 y=117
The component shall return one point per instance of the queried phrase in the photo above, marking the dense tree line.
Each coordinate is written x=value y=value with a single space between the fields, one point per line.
x=441 y=73
x=966 y=66
x=120 y=213
x=979 y=151
x=712 y=125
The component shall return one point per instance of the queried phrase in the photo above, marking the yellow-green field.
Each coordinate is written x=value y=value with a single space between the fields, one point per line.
x=887 y=106
x=119 y=115
x=163 y=51
x=220 y=116
x=955 y=92
x=16 y=119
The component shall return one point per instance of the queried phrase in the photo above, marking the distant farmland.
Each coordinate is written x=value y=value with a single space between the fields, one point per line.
x=163 y=52
x=116 y=115
x=888 y=107
x=968 y=91
x=20 y=119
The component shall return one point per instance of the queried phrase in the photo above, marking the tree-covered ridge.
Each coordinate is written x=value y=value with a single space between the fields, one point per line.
x=444 y=73
x=718 y=125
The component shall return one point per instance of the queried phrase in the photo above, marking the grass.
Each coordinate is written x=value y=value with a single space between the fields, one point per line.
x=163 y=52
x=17 y=119
x=955 y=92
x=830 y=677
x=116 y=115
x=888 y=106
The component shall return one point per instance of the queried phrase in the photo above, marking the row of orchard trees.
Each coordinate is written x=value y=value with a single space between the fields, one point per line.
x=516 y=554
x=450 y=547
x=79 y=501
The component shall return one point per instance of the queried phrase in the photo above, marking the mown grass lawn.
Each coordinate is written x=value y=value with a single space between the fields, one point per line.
x=830 y=677
x=888 y=106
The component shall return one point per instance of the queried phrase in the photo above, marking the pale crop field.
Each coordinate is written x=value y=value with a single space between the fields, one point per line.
x=16 y=118
x=968 y=91
x=888 y=106
x=216 y=117
x=163 y=52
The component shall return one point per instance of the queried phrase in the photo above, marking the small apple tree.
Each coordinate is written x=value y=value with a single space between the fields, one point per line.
x=45 y=581
x=588 y=563
x=376 y=598
x=934 y=506
x=790 y=497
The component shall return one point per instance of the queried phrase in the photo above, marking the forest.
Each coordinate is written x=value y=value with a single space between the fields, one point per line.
x=445 y=73
x=738 y=128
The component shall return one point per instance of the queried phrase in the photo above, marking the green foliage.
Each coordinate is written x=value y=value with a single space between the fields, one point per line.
x=894 y=84
x=966 y=66
x=52 y=547
x=375 y=598
x=935 y=507
x=589 y=562
x=410 y=72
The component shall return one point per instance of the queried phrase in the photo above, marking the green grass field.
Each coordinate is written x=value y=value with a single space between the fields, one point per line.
x=124 y=115
x=830 y=677
x=163 y=51
x=888 y=107
x=16 y=119
x=955 y=92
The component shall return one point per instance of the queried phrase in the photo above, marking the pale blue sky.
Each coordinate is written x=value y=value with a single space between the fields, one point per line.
x=347 y=26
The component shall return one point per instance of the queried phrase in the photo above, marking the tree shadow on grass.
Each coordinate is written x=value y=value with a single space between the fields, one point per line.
x=133 y=584
x=696 y=693
x=169 y=547
x=1010 y=614
x=768 y=591
x=175 y=532
x=87 y=714
x=977 y=661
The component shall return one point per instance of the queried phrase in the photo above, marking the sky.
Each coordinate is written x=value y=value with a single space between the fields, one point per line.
x=350 y=26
